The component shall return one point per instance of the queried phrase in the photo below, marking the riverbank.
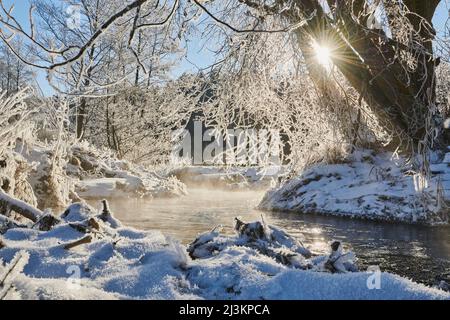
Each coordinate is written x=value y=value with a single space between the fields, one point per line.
x=398 y=248
x=117 y=262
x=366 y=185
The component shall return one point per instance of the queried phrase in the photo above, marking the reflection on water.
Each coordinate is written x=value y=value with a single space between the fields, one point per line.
x=421 y=253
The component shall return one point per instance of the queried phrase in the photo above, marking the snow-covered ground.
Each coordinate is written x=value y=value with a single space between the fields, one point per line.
x=117 y=262
x=104 y=176
x=368 y=186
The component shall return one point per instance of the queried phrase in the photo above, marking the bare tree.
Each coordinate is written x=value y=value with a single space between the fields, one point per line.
x=89 y=46
x=14 y=73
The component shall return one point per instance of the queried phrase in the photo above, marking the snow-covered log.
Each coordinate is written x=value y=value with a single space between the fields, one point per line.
x=107 y=216
x=20 y=207
x=339 y=261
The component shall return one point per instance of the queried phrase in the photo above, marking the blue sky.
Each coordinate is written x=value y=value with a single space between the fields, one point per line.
x=197 y=55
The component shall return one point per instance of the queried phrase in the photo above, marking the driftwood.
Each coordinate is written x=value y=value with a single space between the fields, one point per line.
x=338 y=261
x=92 y=224
x=76 y=243
x=20 y=207
x=107 y=216
x=253 y=231
x=79 y=227
x=105 y=211
x=267 y=240
x=47 y=222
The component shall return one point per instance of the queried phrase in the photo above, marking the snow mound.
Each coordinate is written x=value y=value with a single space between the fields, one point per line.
x=90 y=255
x=367 y=186
x=101 y=175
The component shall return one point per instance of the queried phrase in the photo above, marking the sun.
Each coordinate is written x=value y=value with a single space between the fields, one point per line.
x=323 y=55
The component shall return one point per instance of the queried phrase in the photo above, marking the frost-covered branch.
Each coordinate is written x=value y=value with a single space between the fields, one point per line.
x=10 y=271
x=21 y=207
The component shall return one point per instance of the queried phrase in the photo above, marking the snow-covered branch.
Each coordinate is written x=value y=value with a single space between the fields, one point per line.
x=21 y=207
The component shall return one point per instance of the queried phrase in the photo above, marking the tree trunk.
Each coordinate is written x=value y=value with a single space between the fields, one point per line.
x=81 y=112
x=138 y=67
x=82 y=109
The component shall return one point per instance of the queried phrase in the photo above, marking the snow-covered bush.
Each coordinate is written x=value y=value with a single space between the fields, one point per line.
x=16 y=126
x=14 y=118
x=98 y=173
x=48 y=154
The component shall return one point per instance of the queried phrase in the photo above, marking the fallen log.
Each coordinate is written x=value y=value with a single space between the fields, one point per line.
x=76 y=243
x=90 y=226
x=19 y=206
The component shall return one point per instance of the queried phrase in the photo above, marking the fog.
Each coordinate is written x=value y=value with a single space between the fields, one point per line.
x=186 y=217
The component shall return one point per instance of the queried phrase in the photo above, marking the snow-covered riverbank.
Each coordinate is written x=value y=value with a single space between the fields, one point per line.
x=117 y=262
x=366 y=185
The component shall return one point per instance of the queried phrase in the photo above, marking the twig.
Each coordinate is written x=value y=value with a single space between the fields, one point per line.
x=76 y=243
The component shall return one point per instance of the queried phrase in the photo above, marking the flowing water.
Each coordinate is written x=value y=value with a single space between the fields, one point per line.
x=418 y=252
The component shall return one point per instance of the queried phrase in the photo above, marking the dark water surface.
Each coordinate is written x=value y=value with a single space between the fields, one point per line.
x=417 y=252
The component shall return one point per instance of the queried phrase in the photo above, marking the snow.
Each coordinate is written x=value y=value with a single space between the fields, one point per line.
x=104 y=176
x=230 y=178
x=90 y=173
x=103 y=188
x=125 y=263
x=368 y=186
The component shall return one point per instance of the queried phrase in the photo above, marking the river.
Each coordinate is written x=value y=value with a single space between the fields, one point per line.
x=417 y=252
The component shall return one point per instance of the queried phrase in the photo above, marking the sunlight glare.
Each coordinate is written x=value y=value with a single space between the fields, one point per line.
x=323 y=55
